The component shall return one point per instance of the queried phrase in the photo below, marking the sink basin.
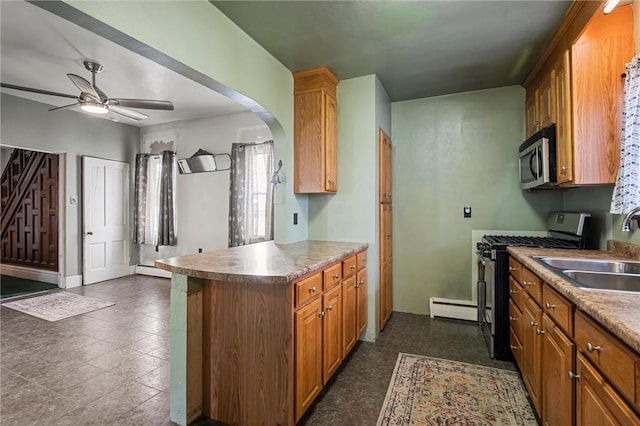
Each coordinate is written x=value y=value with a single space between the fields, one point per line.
x=593 y=265
x=604 y=280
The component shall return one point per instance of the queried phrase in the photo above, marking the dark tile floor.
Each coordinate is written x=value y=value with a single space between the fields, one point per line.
x=110 y=367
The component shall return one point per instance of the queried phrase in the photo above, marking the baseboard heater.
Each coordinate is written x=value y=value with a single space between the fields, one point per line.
x=152 y=271
x=450 y=308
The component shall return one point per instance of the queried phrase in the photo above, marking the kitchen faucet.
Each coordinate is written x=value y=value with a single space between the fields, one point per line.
x=633 y=214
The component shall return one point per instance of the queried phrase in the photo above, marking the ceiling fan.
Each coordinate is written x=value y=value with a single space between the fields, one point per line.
x=92 y=99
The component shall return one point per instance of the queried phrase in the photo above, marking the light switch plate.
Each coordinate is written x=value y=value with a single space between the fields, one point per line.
x=73 y=199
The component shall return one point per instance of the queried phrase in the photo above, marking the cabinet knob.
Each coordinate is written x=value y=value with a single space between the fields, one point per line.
x=361 y=282
x=538 y=331
x=512 y=318
x=512 y=268
x=336 y=276
x=564 y=170
x=331 y=181
x=512 y=291
x=549 y=305
x=330 y=308
x=514 y=348
x=591 y=348
x=533 y=324
x=312 y=290
x=573 y=376
x=321 y=313
x=352 y=267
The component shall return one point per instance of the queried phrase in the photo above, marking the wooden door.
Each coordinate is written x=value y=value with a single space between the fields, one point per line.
x=532 y=347
x=597 y=403
x=308 y=362
x=331 y=332
x=105 y=211
x=349 y=314
x=564 y=137
x=331 y=143
x=558 y=389
x=361 y=303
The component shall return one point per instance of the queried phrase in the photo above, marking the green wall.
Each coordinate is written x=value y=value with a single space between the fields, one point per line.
x=451 y=151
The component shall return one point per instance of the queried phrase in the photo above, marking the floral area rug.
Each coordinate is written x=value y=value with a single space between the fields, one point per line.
x=57 y=306
x=433 y=391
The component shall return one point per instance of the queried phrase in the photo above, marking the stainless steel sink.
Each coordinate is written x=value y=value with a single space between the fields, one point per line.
x=604 y=280
x=593 y=265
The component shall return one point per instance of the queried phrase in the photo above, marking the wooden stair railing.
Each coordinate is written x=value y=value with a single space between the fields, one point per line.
x=22 y=168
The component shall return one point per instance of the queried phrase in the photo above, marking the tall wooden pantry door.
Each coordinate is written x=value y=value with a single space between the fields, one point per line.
x=386 y=229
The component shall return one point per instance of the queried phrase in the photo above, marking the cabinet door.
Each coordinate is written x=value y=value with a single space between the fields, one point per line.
x=597 y=403
x=558 y=390
x=308 y=362
x=531 y=114
x=330 y=143
x=547 y=100
x=385 y=153
x=386 y=269
x=331 y=332
x=361 y=302
x=564 y=139
x=532 y=351
x=349 y=314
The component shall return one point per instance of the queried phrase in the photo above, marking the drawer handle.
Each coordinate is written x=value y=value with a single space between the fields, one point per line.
x=336 y=276
x=511 y=269
x=591 y=348
x=549 y=305
x=573 y=376
x=353 y=267
x=312 y=290
x=538 y=331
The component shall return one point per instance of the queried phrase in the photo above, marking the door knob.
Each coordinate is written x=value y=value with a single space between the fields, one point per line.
x=89 y=233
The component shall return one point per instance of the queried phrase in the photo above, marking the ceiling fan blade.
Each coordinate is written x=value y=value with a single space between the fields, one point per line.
x=40 y=91
x=128 y=113
x=63 y=107
x=84 y=86
x=142 y=104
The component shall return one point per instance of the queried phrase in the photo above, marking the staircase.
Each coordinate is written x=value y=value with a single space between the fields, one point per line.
x=29 y=205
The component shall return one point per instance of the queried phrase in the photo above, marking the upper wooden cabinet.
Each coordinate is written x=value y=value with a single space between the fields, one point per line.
x=315 y=131
x=385 y=186
x=577 y=84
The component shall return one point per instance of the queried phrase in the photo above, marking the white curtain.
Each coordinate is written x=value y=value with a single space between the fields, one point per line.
x=251 y=194
x=626 y=193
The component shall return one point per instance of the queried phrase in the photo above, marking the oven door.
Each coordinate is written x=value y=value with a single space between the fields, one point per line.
x=486 y=302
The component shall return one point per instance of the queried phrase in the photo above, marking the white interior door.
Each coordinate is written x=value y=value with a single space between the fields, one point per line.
x=105 y=210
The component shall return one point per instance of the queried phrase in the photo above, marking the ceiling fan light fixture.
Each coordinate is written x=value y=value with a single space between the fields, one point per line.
x=94 y=108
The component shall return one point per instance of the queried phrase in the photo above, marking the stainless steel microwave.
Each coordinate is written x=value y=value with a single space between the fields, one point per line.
x=538 y=160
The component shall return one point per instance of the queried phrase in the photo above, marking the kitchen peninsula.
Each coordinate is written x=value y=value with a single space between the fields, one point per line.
x=257 y=330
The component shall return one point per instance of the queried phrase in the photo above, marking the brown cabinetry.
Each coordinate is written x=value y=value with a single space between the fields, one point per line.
x=577 y=85
x=386 y=228
x=576 y=372
x=315 y=131
x=385 y=153
x=327 y=324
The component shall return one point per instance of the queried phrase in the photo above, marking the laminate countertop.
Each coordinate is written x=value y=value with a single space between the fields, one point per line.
x=266 y=262
x=618 y=312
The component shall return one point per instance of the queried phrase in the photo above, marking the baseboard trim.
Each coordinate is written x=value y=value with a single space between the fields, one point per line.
x=450 y=308
x=51 y=277
x=152 y=271
x=73 y=281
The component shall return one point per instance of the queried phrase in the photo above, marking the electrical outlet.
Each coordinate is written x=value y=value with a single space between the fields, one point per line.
x=467 y=211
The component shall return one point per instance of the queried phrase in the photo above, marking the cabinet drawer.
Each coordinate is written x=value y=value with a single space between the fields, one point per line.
x=349 y=266
x=515 y=268
x=532 y=284
x=516 y=292
x=558 y=308
x=332 y=275
x=610 y=356
x=515 y=319
x=308 y=288
x=516 y=347
x=361 y=260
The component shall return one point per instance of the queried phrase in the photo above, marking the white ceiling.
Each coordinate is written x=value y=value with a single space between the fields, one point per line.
x=39 y=48
x=417 y=49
